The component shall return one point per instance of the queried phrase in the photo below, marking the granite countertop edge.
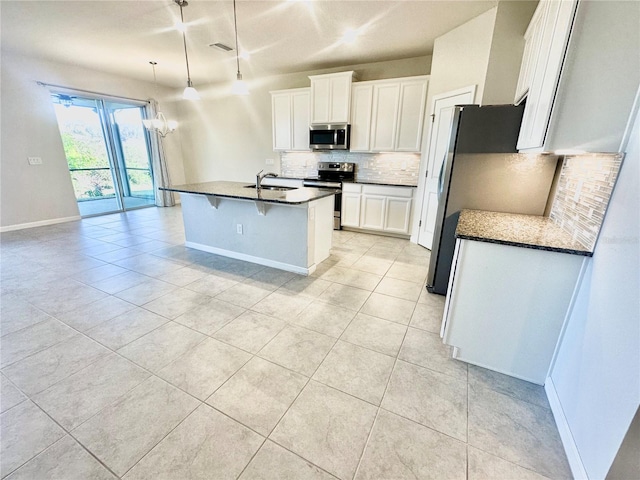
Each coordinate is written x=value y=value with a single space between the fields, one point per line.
x=239 y=191
x=525 y=231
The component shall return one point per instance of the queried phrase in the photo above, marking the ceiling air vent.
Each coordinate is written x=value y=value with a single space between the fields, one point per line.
x=221 y=46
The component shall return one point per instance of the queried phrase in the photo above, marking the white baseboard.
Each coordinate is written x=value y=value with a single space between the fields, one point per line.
x=250 y=258
x=42 y=223
x=570 y=447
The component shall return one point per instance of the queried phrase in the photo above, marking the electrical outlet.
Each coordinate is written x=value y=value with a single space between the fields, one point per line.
x=268 y=161
x=239 y=229
x=34 y=160
x=403 y=166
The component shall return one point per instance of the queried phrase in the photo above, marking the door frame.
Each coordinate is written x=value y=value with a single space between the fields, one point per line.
x=428 y=164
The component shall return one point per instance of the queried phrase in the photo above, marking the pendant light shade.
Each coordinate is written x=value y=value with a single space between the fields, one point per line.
x=190 y=93
x=239 y=87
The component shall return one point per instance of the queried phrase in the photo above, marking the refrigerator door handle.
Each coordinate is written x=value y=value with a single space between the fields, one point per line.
x=441 y=178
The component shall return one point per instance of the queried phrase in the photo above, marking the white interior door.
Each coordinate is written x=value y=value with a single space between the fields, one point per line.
x=442 y=110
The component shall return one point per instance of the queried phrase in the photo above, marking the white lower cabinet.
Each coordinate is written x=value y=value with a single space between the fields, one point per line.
x=350 y=209
x=373 y=212
x=379 y=208
x=506 y=306
x=398 y=215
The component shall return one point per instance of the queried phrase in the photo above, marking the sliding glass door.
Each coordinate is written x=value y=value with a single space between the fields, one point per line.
x=108 y=153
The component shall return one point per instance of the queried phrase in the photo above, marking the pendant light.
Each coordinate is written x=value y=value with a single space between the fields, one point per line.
x=159 y=124
x=189 y=93
x=239 y=87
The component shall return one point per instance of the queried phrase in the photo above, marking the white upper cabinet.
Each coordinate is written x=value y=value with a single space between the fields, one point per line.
x=361 y=105
x=290 y=119
x=582 y=69
x=555 y=26
x=386 y=99
x=331 y=97
x=413 y=98
x=532 y=38
x=388 y=115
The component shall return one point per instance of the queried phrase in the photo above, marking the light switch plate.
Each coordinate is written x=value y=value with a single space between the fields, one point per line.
x=34 y=160
x=268 y=161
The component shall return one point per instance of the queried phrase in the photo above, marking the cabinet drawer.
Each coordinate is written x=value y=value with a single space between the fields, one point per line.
x=351 y=187
x=388 y=191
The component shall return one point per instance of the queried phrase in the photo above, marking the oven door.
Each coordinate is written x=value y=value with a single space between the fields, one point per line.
x=337 y=203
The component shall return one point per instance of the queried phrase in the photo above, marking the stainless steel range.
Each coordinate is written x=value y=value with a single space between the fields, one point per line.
x=331 y=175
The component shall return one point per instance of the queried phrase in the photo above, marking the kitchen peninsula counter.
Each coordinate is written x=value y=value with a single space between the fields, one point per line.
x=506 y=305
x=527 y=231
x=285 y=229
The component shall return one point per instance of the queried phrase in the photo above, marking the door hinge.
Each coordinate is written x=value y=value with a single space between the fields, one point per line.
x=433 y=117
x=420 y=223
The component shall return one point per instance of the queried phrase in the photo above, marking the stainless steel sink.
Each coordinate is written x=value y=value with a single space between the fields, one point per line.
x=272 y=187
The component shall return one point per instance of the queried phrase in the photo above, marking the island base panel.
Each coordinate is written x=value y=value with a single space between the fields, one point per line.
x=288 y=237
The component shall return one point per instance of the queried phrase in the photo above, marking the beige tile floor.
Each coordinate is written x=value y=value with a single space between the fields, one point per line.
x=126 y=355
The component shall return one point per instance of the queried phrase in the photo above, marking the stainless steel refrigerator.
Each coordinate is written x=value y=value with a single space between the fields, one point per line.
x=483 y=171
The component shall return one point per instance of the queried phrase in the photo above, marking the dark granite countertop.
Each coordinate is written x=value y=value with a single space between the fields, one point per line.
x=238 y=190
x=528 y=231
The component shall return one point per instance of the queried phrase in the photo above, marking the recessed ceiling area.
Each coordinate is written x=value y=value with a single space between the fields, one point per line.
x=121 y=37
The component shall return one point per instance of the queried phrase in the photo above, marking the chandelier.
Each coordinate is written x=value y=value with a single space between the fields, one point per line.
x=159 y=123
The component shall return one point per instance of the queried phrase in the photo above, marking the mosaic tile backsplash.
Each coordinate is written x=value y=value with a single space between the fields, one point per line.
x=582 y=195
x=394 y=168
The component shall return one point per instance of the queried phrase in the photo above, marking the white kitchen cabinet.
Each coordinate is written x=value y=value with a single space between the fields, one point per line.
x=379 y=208
x=411 y=108
x=290 y=119
x=386 y=99
x=584 y=71
x=361 y=106
x=506 y=306
x=398 y=215
x=556 y=20
x=532 y=38
x=350 y=215
x=388 y=115
x=373 y=212
x=331 y=97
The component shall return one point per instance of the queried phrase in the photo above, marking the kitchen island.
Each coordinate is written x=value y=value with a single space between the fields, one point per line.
x=289 y=229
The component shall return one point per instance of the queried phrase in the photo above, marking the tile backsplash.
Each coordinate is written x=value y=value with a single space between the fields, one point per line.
x=582 y=194
x=396 y=168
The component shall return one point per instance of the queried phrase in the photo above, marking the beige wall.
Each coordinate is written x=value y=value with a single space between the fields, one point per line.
x=461 y=57
x=220 y=137
x=229 y=138
x=486 y=52
x=507 y=47
x=32 y=194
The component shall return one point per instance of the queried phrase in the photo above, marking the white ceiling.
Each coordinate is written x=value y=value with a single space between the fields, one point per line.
x=121 y=37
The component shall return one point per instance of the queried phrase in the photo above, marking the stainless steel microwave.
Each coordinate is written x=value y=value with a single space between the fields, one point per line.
x=329 y=137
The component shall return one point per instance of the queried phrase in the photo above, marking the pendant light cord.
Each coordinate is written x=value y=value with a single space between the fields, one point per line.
x=155 y=82
x=235 y=25
x=184 y=41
